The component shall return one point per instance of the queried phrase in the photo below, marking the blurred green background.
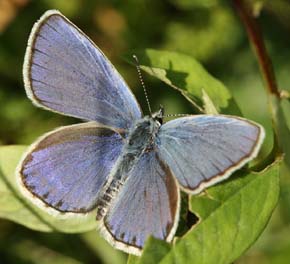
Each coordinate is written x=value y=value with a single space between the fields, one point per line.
x=209 y=30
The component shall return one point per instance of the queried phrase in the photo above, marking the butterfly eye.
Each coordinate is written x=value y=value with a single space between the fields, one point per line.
x=160 y=120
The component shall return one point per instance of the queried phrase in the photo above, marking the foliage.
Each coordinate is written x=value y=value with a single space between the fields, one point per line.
x=200 y=50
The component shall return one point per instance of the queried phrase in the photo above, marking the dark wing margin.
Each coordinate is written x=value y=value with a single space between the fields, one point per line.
x=65 y=169
x=202 y=150
x=147 y=205
x=64 y=71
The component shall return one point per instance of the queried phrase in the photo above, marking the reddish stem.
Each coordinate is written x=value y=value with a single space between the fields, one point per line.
x=256 y=39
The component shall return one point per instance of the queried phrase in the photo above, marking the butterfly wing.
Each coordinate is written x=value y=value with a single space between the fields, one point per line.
x=64 y=71
x=66 y=168
x=202 y=150
x=148 y=204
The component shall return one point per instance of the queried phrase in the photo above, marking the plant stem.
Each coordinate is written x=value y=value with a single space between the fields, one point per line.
x=273 y=94
x=256 y=39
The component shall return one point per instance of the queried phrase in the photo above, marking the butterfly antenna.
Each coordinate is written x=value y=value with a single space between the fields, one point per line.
x=177 y=115
x=142 y=82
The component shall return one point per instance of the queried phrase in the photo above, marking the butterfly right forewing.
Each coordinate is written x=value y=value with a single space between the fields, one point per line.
x=204 y=149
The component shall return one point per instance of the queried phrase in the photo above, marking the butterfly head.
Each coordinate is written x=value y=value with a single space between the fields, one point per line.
x=145 y=129
x=158 y=116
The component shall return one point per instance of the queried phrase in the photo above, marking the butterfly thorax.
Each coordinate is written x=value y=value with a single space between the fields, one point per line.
x=141 y=138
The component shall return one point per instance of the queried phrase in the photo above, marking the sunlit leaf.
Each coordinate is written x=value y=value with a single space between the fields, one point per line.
x=188 y=76
x=208 y=104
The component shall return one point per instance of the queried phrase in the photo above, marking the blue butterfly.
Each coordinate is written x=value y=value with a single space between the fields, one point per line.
x=125 y=168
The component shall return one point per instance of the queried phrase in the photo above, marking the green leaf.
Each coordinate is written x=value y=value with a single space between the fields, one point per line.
x=232 y=216
x=282 y=126
x=153 y=252
x=32 y=252
x=285 y=107
x=17 y=208
x=103 y=249
x=188 y=76
x=209 y=107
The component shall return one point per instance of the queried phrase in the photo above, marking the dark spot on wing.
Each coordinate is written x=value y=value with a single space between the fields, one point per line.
x=59 y=204
x=31 y=187
x=45 y=196
x=82 y=210
x=134 y=240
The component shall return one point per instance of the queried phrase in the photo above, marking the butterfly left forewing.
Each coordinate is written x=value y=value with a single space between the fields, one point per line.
x=64 y=71
x=148 y=204
x=204 y=149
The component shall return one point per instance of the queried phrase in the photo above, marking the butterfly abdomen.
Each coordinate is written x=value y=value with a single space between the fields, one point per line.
x=107 y=197
x=115 y=182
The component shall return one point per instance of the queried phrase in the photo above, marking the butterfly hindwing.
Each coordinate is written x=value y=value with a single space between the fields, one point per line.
x=148 y=204
x=66 y=168
x=65 y=72
x=204 y=149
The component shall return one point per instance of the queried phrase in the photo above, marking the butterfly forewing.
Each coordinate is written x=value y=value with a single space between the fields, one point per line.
x=201 y=150
x=66 y=168
x=65 y=72
x=148 y=204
